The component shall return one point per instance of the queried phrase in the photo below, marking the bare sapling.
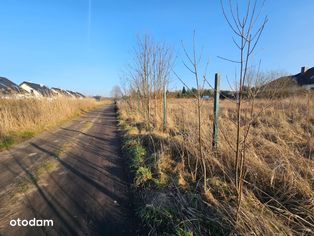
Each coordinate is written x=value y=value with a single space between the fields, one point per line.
x=193 y=66
x=247 y=29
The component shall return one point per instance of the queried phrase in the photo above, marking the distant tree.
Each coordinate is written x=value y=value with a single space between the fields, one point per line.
x=148 y=76
x=183 y=90
x=193 y=91
x=208 y=92
x=116 y=92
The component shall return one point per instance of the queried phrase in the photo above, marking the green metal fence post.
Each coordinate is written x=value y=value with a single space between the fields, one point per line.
x=216 y=111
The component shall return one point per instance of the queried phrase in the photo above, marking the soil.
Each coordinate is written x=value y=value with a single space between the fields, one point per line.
x=85 y=193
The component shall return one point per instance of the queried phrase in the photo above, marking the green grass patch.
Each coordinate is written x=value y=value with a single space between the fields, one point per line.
x=183 y=232
x=137 y=153
x=143 y=175
x=86 y=126
x=6 y=142
x=63 y=148
x=26 y=134
x=13 y=138
x=45 y=166
x=25 y=183
x=162 y=219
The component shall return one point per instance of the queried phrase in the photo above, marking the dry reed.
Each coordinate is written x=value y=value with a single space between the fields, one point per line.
x=23 y=118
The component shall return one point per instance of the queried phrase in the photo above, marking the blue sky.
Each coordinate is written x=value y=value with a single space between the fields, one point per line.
x=65 y=44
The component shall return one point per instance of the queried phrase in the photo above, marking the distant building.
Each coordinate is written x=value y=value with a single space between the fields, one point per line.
x=8 y=89
x=98 y=98
x=305 y=78
x=37 y=90
x=7 y=86
x=60 y=92
x=79 y=95
x=71 y=94
x=66 y=93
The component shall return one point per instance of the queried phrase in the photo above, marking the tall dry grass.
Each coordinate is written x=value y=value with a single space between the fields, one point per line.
x=279 y=172
x=24 y=118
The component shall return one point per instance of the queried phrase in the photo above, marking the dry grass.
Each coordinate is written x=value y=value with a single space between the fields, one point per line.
x=279 y=172
x=24 y=118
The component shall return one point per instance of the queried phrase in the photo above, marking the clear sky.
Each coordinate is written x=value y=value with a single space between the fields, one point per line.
x=84 y=45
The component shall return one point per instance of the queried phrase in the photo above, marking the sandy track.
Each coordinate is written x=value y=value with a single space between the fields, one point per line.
x=85 y=194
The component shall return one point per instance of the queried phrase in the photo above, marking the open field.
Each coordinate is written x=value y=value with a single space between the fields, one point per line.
x=23 y=118
x=278 y=192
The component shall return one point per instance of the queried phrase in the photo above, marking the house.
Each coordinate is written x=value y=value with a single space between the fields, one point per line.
x=37 y=90
x=79 y=95
x=97 y=98
x=289 y=85
x=75 y=94
x=60 y=92
x=71 y=94
x=66 y=93
x=305 y=78
x=7 y=87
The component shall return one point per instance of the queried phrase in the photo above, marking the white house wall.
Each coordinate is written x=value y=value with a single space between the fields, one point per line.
x=30 y=89
x=57 y=92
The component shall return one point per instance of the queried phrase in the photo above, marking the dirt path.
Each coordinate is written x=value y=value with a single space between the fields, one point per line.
x=73 y=175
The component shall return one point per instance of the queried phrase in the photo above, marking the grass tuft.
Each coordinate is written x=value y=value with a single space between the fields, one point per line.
x=6 y=142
